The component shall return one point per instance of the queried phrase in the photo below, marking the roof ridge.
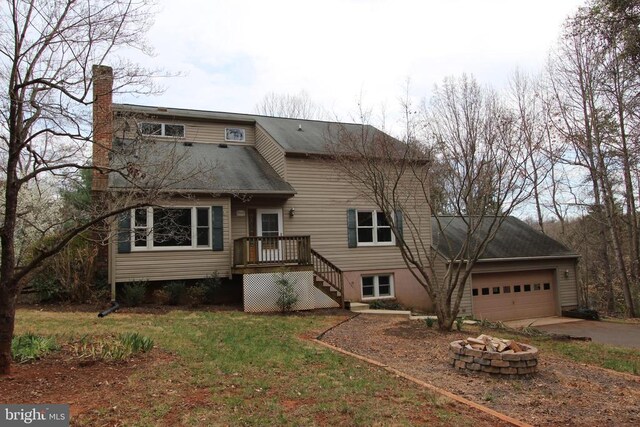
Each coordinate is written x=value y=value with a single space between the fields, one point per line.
x=246 y=115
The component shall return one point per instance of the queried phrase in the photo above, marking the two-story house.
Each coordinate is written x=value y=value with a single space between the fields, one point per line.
x=257 y=194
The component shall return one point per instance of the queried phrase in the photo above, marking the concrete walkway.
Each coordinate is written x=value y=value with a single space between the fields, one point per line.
x=603 y=332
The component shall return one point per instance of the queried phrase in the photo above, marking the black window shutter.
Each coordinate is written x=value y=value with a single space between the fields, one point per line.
x=351 y=228
x=217 y=228
x=124 y=232
x=399 y=225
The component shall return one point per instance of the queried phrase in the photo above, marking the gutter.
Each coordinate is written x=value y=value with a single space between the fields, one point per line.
x=212 y=191
x=529 y=258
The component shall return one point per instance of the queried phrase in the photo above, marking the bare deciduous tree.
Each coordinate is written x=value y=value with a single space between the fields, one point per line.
x=594 y=84
x=298 y=106
x=47 y=49
x=472 y=144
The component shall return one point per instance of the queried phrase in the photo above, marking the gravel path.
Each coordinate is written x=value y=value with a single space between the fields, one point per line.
x=562 y=393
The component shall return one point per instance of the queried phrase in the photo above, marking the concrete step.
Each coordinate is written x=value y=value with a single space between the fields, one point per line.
x=358 y=306
x=406 y=313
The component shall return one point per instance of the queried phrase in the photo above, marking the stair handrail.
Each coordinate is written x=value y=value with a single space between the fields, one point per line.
x=328 y=272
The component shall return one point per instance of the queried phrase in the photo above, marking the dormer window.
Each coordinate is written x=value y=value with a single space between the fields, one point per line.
x=162 y=129
x=234 y=134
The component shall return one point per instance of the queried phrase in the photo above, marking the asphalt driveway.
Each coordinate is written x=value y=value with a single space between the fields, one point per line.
x=603 y=332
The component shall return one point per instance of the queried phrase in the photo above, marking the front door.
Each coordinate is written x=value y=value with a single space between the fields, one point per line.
x=269 y=228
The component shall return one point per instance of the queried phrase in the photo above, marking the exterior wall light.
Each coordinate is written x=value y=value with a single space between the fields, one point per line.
x=292 y=212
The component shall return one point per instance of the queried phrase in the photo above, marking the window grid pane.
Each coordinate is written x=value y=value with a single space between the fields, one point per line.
x=365 y=235
x=203 y=217
x=174 y=130
x=151 y=128
x=365 y=219
x=202 y=236
x=140 y=231
x=384 y=290
x=384 y=234
x=172 y=227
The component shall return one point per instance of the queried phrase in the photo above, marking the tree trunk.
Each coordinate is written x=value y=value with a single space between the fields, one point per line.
x=445 y=315
x=7 y=323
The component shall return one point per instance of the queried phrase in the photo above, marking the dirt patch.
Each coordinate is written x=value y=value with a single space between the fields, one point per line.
x=89 y=387
x=563 y=392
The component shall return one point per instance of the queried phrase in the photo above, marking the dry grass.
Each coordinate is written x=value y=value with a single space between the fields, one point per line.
x=231 y=368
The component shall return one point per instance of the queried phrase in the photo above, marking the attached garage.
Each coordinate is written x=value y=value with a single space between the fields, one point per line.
x=522 y=273
x=514 y=295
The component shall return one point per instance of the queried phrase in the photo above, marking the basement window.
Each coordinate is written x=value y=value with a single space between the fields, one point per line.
x=379 y=286
x=162 y=129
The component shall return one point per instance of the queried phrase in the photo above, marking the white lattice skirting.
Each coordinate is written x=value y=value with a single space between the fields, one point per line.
x=261 y=292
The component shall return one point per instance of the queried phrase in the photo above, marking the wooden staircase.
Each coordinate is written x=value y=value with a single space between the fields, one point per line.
x=328 y=278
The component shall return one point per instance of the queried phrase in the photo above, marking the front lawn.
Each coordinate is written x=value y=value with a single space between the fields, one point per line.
x=223 y=368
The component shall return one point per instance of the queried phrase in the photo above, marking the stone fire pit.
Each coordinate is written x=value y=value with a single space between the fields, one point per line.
x=496 y=356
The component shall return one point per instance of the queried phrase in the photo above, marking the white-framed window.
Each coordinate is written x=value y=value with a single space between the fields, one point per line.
x=171 y=228
x=162 y=129
x=234 y=134
x=373 y=229
x=377 y=286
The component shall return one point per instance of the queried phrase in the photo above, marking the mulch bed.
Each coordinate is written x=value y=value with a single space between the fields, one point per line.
x=143 y=309
x=93 y=389
x=562 y=393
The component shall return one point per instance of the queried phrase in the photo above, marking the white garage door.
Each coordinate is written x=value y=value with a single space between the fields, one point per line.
x=513 y=295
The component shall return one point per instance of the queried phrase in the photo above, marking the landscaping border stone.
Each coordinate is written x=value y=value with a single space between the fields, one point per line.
x=524 y=363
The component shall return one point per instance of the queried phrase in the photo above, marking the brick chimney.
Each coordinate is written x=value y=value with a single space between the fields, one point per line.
x=102 y=123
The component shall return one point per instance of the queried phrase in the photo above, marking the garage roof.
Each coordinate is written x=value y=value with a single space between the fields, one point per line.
x=514 y=240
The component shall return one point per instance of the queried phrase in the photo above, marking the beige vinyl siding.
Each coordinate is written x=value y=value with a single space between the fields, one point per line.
x=271 y=151
x=321 y=204
x=195 y=131
x=238 y=223
x=465 y=304
x=566 y=286
x=178 y=264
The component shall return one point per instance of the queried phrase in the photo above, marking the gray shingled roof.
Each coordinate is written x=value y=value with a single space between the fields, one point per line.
x=307 y=136
x=514 y=239
x=204 y=167
x=311 y=139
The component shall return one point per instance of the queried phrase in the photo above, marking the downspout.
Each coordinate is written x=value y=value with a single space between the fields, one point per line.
x=114 y=307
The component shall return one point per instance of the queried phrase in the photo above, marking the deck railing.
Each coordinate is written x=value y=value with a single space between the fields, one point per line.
x=330 y=273
x=286 y=250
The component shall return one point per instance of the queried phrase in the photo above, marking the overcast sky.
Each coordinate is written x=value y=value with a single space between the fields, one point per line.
x=232 y=53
